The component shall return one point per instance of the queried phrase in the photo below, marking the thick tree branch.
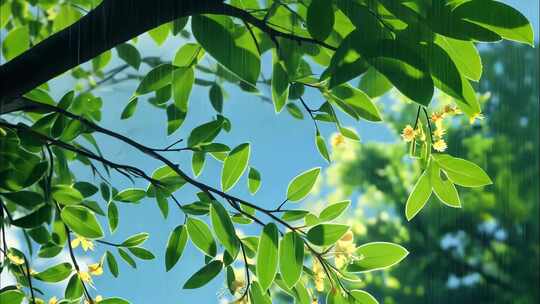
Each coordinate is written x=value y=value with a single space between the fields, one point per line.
x=111 y=23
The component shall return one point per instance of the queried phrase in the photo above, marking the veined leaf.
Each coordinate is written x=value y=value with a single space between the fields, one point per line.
x=377 y=255
x=326 y=234
x=224 y=228
x=175 y=246
x=462 y=172
x=254 y=180
x=267 y=256
x=234 y=166
x=201 y=236
x=204 y=275
x=291 y=258
x=55 y=273
x=82 y=221
x=302 y=184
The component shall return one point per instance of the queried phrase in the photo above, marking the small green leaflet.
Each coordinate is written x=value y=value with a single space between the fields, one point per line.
x=333 y=211
x=302 y=184
x=188 y=55
x=419 y=195
x=376 y=256
x=55 y=273
x=279 y=83
x=204 y=275
x=224 y=228
x=82 y=221
x=234 y=166
x=462 y=172
x=129 y=54
x=130 y=108
x=12 y=296
x=175 y=246
x=182 y=83
x=205 y=133
x=141 y=253
x=112 y=216
x=66 y=195
x=156 y=79
x=111 y=262
x=159 y=34
x=254 y=180
x=362 y=297
x=291 y=258
x=443 y=188
x=135 y=240
x=127 y=258
x=201 y=236
x=175 y=118
x=74 y=288
x=326 y=234
x=15 y=42
x=267 y=256
x=321 y=146
x=197 y=162
x=130 y=195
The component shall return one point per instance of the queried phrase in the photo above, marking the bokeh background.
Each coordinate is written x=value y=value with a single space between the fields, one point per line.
x=486 y=252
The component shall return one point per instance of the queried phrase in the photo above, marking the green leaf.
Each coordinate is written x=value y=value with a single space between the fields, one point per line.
x=295 y=111
x=127 y=258
x=129 y=54
x=376 y=256
x=85 y=188
x=66 y=195
x=112 y=216
x=326 y=234
x=201 y=236
x=267 y=256
x=114 y=301
x=224 y=228
x=320 y=19
x=55 y=273
x=82 y=221
x=15 y=42
x=163 y=204
x=141 y=253
x=357 y=100
x=112 y=264
x=443 y=188
x=197 y=162
x=362 y=297
x=374 y=84
x=74 y=288
x=291 y=258
x=294 y=215
x=130 y=108
x=216 y=97
x=462 y=172
x=254 y=180
x=101 y=61
x=175 y=246
x=175 y=118
x=226 y=42
x=234 y=166
x=418 y=196
x=135 y=240
x=258 y=295
x=302 y=184
x=321 y=146
x=156 y=79
x=205 y=133
x=497 y=17
x=464 y=54
x=333 y=211
x=279 y=83
x=159 y=34
x=130 y=195
x=12 y=296
x=204 y=275
x=182 y=82
x=188 y=55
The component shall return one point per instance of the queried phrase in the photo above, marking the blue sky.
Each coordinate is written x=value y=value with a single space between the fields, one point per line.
x=281 y=148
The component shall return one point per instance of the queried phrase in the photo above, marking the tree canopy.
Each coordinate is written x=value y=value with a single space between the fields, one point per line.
x=350 y=52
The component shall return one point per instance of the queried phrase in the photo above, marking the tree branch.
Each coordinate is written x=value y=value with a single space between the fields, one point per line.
x=109 y=24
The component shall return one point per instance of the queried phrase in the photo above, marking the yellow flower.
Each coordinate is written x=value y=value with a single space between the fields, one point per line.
x=98 y=299
x=344 y=250
x=337 y=140
x=436 y=116
x=15 y=259
x=475 y=116
x=440 y=145
x=439 y=132
x=85 y=243
x=53 y=300
x=95 y=269
x=318 y=276
x=85 y=277
x=408 y=133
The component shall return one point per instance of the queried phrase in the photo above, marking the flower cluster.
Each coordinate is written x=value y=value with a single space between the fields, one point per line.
x=344 y=250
